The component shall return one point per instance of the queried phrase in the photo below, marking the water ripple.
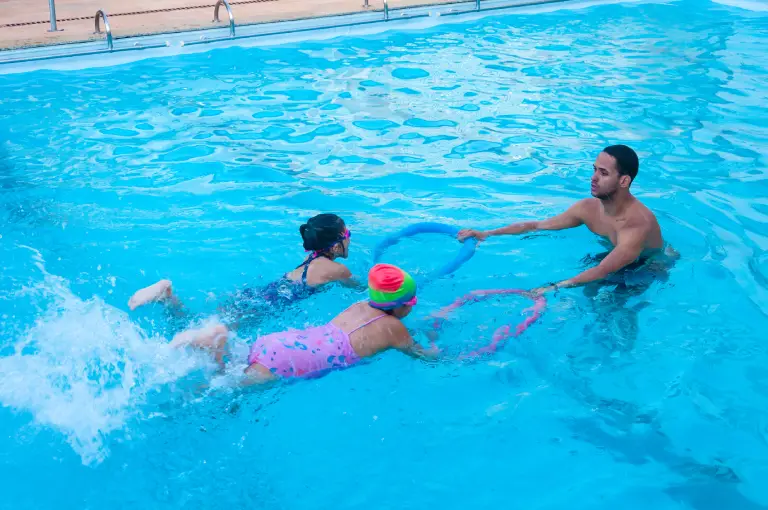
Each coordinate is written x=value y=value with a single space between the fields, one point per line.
x=202 y=167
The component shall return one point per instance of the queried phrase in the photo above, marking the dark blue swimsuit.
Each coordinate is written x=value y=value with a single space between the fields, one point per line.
x=285 y=291
x=252 y=302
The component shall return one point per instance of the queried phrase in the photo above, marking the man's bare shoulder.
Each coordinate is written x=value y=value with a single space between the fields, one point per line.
x=641 y=219
x=588 y=207
x=588 y=202
x=640 y=216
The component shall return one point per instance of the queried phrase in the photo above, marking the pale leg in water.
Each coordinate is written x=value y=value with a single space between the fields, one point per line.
x=257 y=374
x=211 y=338
x=160 y=291
x=214 y=339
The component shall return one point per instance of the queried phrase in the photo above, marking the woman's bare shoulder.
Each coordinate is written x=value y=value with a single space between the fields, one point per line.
x=324 y=271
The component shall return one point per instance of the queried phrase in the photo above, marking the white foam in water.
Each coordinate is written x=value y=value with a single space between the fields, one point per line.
x=84 y=369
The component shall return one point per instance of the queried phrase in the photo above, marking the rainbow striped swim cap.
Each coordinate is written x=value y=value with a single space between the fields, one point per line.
x=390 y=287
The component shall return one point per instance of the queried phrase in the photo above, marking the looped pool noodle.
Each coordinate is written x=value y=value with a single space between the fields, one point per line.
x=503 y=332
x=465 y=252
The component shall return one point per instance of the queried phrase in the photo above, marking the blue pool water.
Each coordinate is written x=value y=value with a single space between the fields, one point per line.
x=201 y=167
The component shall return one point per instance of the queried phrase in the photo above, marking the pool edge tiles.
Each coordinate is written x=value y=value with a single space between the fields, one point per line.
x=81 y=55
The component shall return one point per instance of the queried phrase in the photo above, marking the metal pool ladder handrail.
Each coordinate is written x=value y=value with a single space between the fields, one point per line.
x=101 y=13
x=386 y=11
x=52 y=12
x=477 y=5
x=231 y=17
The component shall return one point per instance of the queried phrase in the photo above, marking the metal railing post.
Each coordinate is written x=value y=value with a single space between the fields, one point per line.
x=102 y=14
x=477 y=5
x=386 y=11
x=52 y=9
x=365 y=5
x=229 y=11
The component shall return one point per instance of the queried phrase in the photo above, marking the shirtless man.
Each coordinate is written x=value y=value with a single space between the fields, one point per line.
x=614 y=213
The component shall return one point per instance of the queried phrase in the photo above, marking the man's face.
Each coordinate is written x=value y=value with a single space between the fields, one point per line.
x=605 y=177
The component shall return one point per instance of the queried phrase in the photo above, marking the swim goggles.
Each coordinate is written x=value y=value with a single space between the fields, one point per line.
x=390 y=305
x=343 y=237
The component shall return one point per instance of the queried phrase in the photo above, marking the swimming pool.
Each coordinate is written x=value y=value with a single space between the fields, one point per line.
x=201 y=167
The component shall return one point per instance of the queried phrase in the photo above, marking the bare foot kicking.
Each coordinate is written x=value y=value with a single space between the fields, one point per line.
x=159 y=291
x=211 y=338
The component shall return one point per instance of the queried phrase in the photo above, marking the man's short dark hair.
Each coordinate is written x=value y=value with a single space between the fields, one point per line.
x=626 y=160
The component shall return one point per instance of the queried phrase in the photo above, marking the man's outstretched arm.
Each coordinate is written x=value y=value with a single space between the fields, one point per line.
x=571 y=218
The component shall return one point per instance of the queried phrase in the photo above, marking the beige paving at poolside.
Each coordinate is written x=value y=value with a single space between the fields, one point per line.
x=19 y=11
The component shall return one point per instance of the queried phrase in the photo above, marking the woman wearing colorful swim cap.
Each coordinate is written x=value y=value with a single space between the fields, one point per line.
x=327 y=238
x=361 y=331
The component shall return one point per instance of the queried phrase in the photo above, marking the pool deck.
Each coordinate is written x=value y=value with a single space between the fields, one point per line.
x=17 y=29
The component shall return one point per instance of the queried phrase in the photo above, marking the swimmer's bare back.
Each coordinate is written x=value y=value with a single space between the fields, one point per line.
x=386 y=333
x=321 y=271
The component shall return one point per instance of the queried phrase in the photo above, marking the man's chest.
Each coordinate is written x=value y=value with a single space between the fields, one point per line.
x=606 y=227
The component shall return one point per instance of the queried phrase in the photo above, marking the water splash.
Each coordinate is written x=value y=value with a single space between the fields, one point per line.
x=83 y=368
